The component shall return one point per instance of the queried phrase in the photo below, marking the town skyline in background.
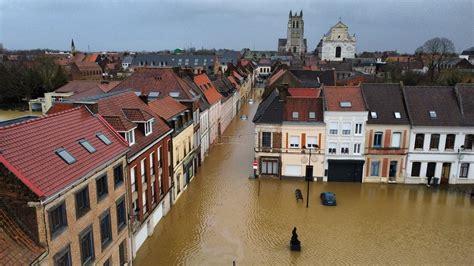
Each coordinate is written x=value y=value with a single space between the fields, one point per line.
x=149 y=26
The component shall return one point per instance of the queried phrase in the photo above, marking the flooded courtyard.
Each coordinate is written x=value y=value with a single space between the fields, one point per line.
x=224 y=216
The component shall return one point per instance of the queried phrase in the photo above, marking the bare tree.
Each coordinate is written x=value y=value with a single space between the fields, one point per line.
x=435 y=51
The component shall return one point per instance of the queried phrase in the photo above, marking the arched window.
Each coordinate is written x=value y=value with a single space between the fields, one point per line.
x=294 y=49
x=293 y=24
x=297 y=24
x=338 y=52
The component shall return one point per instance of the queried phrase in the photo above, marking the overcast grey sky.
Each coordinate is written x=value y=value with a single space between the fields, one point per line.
x=138 y=25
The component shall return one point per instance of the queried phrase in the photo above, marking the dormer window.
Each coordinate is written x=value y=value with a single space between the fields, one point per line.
x=397 y=115
x=373 y=115
x=345 y=104
x=130 y=137
x=433 y=115
x=148 y=127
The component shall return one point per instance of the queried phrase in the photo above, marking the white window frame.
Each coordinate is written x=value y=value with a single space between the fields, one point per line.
x=312 y=115
x=357 y=148
x=130 y=137
x=148 y=127
x=371 y=168
x=332 y=148
x=152 y=172
x=393 y=144
x=397 y=115
x=294 y=144
x=133 y=178
x=143 y=170
x=144 y=200
x=358 y=129
x=333 y=128
x=373 y=115
x=346 y=128
x=295 y=115
x=311 y=142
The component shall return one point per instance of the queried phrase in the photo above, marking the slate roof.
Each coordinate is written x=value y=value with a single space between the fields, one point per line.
x=385 y=99
x=123 y=108
x=207 y=88
x=174 y=60
x=335 y=95
x=228 y=57
x=223 y=86
x=165 y=81
x=167 y=107
x=309 y=78
x=270 y=110
x=468 y=51
x=28 y=149
x=420 y=100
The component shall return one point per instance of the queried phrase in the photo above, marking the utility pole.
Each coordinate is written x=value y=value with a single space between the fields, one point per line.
x=308 y=176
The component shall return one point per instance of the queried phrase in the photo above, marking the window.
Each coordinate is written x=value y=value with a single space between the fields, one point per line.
x=311 y=142
x=345 y=104
x=144 y=200
x=118 y=175
x=266 y=139
x=375 y=168
x=142 y=171
x=294 y=142
x=332 y=146
x=312 y=115
x=373 y=115
x=105 y=229
x=345 y=148
x=82 y=202
x=357 y=148
x=87 y=146
x=122 y=253
x=121 y=214
x=295 y=115
x=468 y=141
x=396 y=138
x=148 y=127
x=269 y=167
x=346 y=128
x=86 y=242
x=333 y=128
x=66 y=156
x=338 y=52
x=397 y=115
x=464 y=170
x=57 y=219
x=378 y=139
x=152 y=192
x=133 y=174
x=449 y=145
x=415 y=169
x=419 y=140
x=63 y=257
x=104 y=139
x=434 y=143
x=433 y=115
x=358 y=129
x=107 y=262
x=130 y=137
x=102 y=188
x=152 y=169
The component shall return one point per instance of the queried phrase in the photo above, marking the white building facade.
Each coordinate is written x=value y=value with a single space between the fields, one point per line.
x=337 y=44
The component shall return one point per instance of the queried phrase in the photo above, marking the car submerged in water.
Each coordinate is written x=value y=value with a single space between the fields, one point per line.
x=328 y=198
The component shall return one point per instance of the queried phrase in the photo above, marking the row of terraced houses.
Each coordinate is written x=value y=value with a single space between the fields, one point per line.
x=88 y=182
x=368 y=133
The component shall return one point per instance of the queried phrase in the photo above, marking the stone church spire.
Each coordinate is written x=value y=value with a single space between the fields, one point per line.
x=73 y=47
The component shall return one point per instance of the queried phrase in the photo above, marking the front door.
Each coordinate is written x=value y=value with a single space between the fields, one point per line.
x=446 y=170
x=392 y=173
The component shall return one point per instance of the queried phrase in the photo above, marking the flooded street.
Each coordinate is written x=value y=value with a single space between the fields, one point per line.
x=222 y=218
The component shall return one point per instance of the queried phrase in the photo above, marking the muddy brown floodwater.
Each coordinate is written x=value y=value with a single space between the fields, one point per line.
x=221 y=218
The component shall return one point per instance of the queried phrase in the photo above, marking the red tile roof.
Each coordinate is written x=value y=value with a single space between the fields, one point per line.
x=234 y=82
x=207 y=87
x=166 y=107
x=303 y=106
x=162 y=80
x=87 y=88
x=305 y=92
x=334 y=95
x=91 y=57
x=28 y=149
x=84 y=66
x=276 y=76
x=123 y=108
x=16 y=247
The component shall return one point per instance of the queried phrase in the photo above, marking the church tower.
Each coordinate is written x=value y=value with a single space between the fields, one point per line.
x=73 y=47
x=295 y=34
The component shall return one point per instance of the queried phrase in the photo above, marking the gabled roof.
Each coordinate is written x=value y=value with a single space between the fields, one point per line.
x=303 y=106
x=167 y=107
x=270 y=110
x=29 y=149
x=385 y=99
x=163 y=80
x=223 y=86
x=336 y=96
x=420 y=100
x=207 y=88
x=121 y=110
x=84 y=66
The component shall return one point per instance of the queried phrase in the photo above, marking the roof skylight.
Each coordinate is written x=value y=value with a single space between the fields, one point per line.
x=66 y=156
x=373 y=115
x=345 y=104
x=433 y=115
x=104 y=139
x=84 y=143
x=397 y=115
x=174 y=94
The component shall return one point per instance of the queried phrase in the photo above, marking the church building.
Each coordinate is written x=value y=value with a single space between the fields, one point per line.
x=337 y=44
x=295 y=41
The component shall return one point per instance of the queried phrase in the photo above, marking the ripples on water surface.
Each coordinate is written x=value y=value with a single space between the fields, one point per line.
x=220 y=218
